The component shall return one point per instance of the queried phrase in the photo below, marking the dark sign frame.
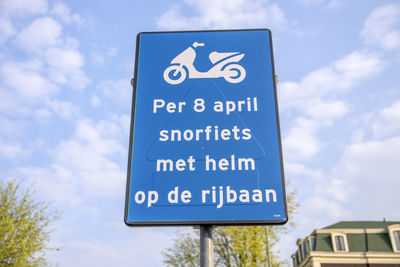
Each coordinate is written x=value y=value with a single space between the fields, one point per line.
x=131 y=137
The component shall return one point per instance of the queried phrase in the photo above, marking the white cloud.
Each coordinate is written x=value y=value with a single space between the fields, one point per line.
x=65 y=60
x=139 y=247
x=10 y=150
x=317 y=101
x=6 y=30
x=222 y=14
x=364 y=180
x=112 y=51
x=355 y=67
x=332 y=4
x=370 y=171
x=12 y=127
x=11 y=104
x=335 y=4
x=325 y=111
x=97 y=59
x=363 y=186
x=332 y=210
x=314 y=101
x=42 y=114
x=90 y=156
x=119 y=91
x=55 y=184
x=22 y=8
x=388 y=122
x=296 y=168
x=382 y=28
x=62 y=11
x=64 y=109
x=26 y=81
x=337 y=77
x=310 y=2
x=25 y=84
x=86 y=164
x=65 y=67
x=392 y=112
x=95 y=101
x=301 y=143
x=125 y=122
x=40 y=34
x=45 y=39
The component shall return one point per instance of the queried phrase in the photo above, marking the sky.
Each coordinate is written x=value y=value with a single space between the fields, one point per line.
x=65 y=101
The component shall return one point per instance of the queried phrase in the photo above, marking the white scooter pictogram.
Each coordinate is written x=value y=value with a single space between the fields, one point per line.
x=224 y=66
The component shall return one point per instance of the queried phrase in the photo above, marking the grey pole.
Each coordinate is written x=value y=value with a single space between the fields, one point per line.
x=206 y=246
x=267 y=245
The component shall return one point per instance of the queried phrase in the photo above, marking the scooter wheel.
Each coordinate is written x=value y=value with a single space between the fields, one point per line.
x=234 y=73
x=179 y=77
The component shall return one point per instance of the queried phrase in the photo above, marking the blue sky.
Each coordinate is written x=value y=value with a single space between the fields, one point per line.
x=65 y=103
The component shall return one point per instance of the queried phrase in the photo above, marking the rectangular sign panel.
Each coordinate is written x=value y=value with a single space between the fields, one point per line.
x=205 y=143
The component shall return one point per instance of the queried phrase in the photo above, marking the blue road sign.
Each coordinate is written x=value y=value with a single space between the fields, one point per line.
x=205 y=143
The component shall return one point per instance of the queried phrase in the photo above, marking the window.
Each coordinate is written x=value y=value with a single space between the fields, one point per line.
x=396 y=235
x=305 y=248
x=294 y=260
x=312 y=243
x=339 y=240
x=298 y=256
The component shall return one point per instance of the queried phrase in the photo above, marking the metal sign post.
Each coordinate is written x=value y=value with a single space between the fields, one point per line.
x=206 y=246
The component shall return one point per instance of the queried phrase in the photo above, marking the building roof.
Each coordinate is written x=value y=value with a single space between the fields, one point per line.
x=357 y=242
x=361 y=242
x=360 y=224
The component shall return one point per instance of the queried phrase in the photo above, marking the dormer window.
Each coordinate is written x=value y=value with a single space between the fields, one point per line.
x=298 y=256
x=312 y=243
x=339 y=242
x=305 y=248
x=294 y=260
x=394 y=233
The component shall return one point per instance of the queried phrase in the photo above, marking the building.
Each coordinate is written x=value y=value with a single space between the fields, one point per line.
x=351 y=244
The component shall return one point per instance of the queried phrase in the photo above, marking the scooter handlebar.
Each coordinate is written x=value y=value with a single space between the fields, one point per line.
x=196 y=44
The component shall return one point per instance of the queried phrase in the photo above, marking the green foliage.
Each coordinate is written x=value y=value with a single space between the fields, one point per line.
x=240 y=246
x=185 y=251
x=24 y=227
x=234 y=246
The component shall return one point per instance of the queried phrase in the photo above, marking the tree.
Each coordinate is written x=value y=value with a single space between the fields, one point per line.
x=24 y=227
x=234 y=246
x=185 y=251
